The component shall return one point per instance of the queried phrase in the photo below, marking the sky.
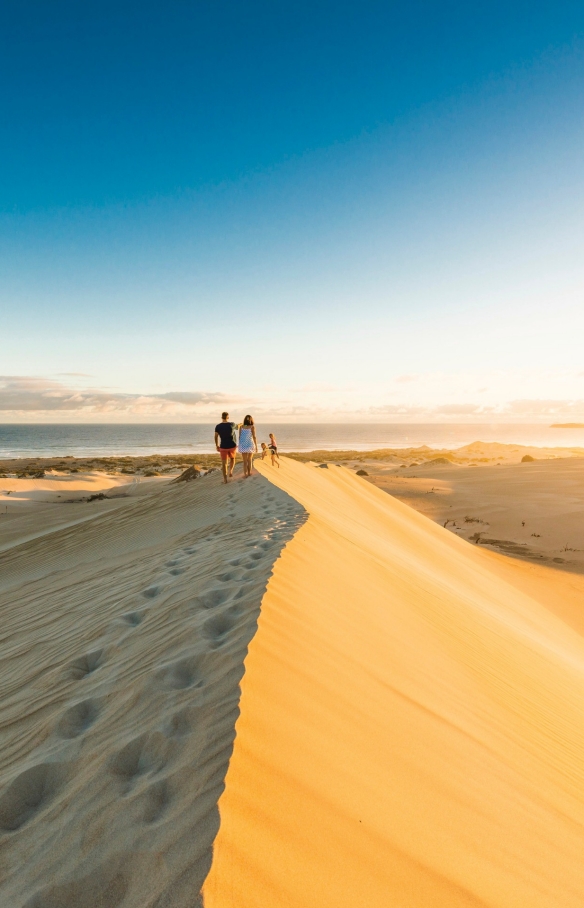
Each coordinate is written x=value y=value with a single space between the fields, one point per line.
x=312 y=211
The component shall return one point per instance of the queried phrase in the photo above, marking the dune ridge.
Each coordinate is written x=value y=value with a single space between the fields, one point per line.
x=411 y=729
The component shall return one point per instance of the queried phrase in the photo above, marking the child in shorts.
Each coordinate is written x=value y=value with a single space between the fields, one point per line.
x=273 y=449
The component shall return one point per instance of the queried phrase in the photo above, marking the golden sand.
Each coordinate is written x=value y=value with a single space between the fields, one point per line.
x=412 y=722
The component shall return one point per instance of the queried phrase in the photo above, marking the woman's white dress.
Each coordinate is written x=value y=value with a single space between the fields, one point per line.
x=246 y=443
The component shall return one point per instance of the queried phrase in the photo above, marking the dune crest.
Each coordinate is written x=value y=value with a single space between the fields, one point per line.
x=412 y=724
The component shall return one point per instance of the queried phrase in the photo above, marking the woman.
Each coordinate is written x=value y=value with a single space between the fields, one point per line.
x=248 y=444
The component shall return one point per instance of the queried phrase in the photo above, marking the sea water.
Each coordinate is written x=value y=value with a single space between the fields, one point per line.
x=89 y=440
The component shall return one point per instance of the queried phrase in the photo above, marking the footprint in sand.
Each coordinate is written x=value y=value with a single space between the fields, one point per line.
x=85 y=665
x=78 y=718
x=137 y=757
x=29 y=793
x=211 y=599
x=151 y=592
x=133 y=618
x=182 y=674
x=157 y=799
x=179 y=724
x=217 y=628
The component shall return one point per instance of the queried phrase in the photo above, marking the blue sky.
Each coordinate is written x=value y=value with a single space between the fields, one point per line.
x=322 y=211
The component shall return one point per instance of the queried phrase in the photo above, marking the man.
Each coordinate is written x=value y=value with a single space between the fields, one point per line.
x=226 y=444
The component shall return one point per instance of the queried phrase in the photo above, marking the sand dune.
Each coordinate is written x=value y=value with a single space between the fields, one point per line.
x=29 y=508
x=412 y=723
x=411 y=730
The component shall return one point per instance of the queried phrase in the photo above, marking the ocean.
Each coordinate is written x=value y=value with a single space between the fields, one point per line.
x=90 y=440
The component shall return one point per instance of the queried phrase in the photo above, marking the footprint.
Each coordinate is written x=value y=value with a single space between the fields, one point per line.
x=129 y=762
x=176 y=571
x=256 y=556
x=78 y=718
x=157 y=798
x=151 y=591
x=230 y=575
x=182 y=673
x=28 y=794
x=133 y=618
x=211 y=599
x=85 y=665
x=234 y=562
x=179 y=724
x=217 y=627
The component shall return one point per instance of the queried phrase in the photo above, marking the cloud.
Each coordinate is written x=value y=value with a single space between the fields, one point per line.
x=26 y=394
x=74 y=374
x=404 y=379
x=550 y=408
x=33 y=398
x=458 y=409
x=192 y=398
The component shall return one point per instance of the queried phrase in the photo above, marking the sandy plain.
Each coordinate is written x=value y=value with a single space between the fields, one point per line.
x=410 y=726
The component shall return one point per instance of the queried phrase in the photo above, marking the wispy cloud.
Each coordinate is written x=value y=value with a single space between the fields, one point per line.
x=26 y=394
x=406 y=379
x=30 y=398
x=73 y=375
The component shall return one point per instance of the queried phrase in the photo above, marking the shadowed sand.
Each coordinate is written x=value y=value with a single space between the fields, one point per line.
x=123 y=638
x=412 y=721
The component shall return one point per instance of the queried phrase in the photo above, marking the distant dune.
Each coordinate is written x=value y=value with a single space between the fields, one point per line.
x=567 y=425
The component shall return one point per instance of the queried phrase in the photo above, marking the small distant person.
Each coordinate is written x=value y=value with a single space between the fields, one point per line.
x=248 y=444
x=273 y=449
x=226 y=444
x=265 y=451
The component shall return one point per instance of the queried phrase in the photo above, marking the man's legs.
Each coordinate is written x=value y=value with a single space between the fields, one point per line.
x=227 y=469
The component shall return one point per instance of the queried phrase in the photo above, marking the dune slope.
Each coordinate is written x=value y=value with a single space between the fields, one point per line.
x=123 y=640
x=412 y=724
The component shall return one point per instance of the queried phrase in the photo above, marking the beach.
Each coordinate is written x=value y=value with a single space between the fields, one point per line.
x=302 y=689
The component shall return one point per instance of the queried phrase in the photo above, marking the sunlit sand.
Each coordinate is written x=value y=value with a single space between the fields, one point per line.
x=411 y=723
